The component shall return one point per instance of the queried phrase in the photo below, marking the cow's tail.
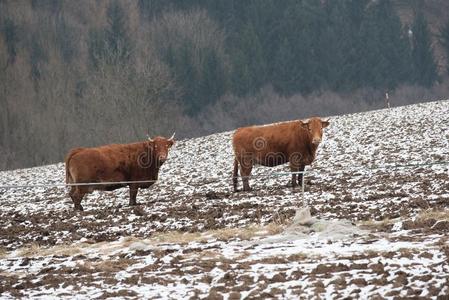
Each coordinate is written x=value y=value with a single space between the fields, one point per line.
x=235 y=174
x=68 y=175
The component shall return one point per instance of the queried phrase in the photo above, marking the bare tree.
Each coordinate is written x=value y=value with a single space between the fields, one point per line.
x=125 y=103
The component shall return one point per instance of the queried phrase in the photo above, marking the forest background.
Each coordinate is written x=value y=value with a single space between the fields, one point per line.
x=86 y=73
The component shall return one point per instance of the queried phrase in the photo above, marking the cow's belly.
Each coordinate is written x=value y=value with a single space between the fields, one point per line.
x=272 y=159
x=145 y=185
x=114 y=187
x=106 y=177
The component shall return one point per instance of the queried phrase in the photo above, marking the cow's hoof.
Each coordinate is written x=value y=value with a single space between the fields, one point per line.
x=134 y=204
x=79 y=208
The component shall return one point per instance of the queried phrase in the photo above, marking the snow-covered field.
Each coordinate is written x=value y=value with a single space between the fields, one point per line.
x=377 y=230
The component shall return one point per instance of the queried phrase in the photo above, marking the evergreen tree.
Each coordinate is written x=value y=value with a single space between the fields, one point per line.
x=302 y=26
x=241 y=75
x=265 y=15
x=151 y=8
x=444 y=40
x=97 y=46
x=336 y=47
x=249 y=68
x=11 y=35
x=356 y=11
x=183 y=69
x=111 y=44
x=38 y=57
x=351 y=44
x=214 y=82
x=284 y=73
x=66 y=39
x=424 y=66
x=116 y=33
x=383 y=58
x=53 y=6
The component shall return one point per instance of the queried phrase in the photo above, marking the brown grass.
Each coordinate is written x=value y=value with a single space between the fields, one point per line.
x=34 y=250
x=30 y=250
x=64 y=250
x=3 y=252
x=224 y=234
x=373 y=224
x=438 y=215
x=105 y=266
x=405 y=252
x=126 y=241
x=175 y=237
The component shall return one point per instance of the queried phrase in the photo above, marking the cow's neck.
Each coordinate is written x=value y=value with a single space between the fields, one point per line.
x=152 y=168
x=311 y=150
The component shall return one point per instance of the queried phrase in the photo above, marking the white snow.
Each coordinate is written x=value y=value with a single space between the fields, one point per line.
x=354 y=178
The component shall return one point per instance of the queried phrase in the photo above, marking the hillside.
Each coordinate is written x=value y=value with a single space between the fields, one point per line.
x=437 y=14
x=76 y=73
x=377 y=229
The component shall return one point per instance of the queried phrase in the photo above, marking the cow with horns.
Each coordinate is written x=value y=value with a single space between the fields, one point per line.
x=118 y=165
x=295 y=142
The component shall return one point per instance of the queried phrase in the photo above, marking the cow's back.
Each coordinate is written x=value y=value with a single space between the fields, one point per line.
x=261 y=141
x=106 y=163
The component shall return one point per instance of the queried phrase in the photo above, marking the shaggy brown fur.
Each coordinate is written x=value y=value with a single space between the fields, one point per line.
x=271 y=145
x=113 y=163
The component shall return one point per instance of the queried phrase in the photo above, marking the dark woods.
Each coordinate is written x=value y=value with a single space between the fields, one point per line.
x=84 y=73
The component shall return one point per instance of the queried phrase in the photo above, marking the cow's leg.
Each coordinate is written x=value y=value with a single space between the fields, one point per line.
x=301 y=175
x=133 y=189
x=245 y=172
x=294 y=168
x=235 y=175
x=77 y=194
x=72 y=191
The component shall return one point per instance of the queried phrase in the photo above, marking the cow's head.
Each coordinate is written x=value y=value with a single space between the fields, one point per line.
x=160 y=147
x=314 y=127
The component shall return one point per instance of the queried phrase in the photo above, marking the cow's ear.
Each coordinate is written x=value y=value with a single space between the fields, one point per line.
x=324 y=124
x=304 y=124
x=171 y=142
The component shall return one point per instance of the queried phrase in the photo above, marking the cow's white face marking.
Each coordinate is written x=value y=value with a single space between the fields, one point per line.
x=161 y=148
x=315 y=127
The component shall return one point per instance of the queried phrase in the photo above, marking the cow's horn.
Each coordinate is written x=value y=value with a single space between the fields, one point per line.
x=149 y=138
x=173 y=136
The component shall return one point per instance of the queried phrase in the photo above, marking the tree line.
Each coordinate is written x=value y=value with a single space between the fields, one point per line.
x=85 y=73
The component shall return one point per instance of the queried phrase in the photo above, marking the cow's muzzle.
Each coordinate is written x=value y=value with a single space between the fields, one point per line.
x=316 y=142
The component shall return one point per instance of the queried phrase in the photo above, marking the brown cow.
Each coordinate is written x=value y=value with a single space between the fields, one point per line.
x=272 y=145
x=115 y=163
